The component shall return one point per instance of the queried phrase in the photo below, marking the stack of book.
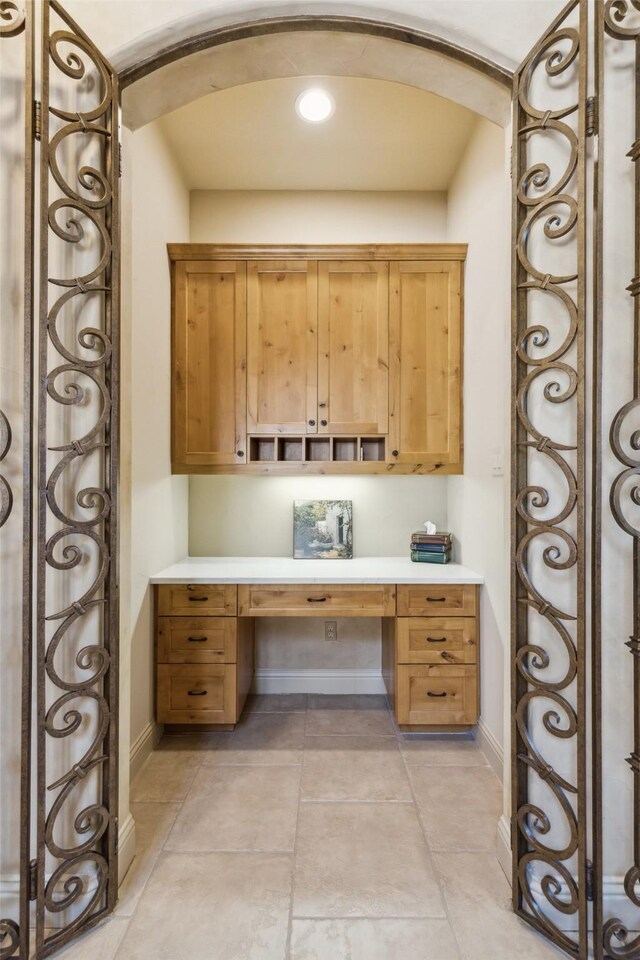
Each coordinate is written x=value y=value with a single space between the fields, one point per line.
x=430 y=547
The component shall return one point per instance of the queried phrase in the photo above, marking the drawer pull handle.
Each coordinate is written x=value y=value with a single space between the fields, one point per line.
x=316 y=599
x=430 y=693
x=435 y=599
x=436 y=639
x=197 y=693
x=198 y=599
x=197 y=639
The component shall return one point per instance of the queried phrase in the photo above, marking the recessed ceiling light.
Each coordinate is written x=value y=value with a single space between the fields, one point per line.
x=315 y=105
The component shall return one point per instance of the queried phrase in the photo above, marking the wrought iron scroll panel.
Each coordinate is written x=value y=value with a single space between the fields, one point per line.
x=77 y=588
x=616 y=936
x=16 y=21
x=548 y=526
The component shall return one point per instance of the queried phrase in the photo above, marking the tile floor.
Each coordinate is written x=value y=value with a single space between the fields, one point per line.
x=314 y=831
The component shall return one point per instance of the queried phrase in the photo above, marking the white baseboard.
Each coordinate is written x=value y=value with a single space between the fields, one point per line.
x=491 y=748
x=346 y=680
x=143 y=746
x=503 y=846
x=126 y=846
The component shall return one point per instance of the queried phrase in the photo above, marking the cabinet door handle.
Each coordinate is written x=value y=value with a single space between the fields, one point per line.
x=198 y=599
x=430 y=693
x=316 y=599
x=436 y=639
x=435 y=599
x=394 y=453
x=197 y=639
x=197 y=693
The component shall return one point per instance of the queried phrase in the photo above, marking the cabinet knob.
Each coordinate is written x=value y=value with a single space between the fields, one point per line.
x=240 y=453
x=312 y=423
x=394 y=453
x=323 y=423
x=322 y=405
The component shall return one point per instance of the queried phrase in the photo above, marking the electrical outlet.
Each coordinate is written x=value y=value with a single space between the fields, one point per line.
x=331 y=630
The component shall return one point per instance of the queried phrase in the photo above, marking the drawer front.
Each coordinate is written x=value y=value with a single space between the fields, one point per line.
x=431 y=600
x=437 y=695
x=437 y=640
x=197 y=639
x=314 y=600
x=197 y=599
x=201 y=693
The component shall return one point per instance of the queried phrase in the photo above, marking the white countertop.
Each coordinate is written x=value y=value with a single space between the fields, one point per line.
x=287 y=570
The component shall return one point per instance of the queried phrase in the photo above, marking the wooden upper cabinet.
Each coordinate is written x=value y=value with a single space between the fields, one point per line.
x=353 y=347
x=425 y=345
x=209 y=364
x=282 y=369
x=317 y=359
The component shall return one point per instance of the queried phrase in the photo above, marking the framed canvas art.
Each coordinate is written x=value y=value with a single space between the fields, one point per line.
x=322 y=530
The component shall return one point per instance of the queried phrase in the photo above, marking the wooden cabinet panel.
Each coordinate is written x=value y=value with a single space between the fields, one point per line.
x=196 y=639
x=353 y=347
x=198 y=693
x=425 y=320
x=436 y=600
x=282 y=368
x=436 y=695
x=203 y=599
x=313 y=600
x=437 y=640
x=209 y=364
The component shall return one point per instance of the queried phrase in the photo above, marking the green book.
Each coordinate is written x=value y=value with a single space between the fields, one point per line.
x=422 y=556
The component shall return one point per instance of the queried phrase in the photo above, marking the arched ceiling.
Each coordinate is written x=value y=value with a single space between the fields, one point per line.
x=382 y=136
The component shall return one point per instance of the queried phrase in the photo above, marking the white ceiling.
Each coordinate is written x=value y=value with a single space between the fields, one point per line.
x=382 y=136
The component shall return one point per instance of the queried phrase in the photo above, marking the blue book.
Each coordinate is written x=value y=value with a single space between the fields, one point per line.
x=431 y=547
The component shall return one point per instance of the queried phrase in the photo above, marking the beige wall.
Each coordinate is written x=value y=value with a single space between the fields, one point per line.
x=160 y=213
x=317 y=216
x=479 y=211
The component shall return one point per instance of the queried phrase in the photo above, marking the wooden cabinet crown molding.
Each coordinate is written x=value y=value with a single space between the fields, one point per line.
x=327 y=251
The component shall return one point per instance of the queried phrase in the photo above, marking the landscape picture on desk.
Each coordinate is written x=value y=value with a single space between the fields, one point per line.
x=322 y=530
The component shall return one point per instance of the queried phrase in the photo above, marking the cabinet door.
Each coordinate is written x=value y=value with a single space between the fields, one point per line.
x=425 y=320
x=353 y=347
x=282 y=362
x=209 y=364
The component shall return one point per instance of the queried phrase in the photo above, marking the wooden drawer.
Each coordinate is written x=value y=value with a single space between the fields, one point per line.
x=196 y=639
x=187 y=599
x=200 y=693
x=433 y=600
x=314 y=600
x=437 y=695
x=437 y=640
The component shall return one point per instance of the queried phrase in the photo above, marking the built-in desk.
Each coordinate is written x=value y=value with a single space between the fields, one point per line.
x=206 y=609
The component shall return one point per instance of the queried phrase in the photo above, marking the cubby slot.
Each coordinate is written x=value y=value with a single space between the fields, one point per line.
x=318 y=448
x=290 y=448
x=262 y=449
x=345 y=448
x=372 y=448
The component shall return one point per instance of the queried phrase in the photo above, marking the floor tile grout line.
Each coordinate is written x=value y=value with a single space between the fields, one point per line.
x=436 y=872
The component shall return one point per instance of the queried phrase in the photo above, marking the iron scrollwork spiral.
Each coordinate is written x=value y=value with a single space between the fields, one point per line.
x=6 y=494
x=622 y=23
x=548 y=804
x=77 y=625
